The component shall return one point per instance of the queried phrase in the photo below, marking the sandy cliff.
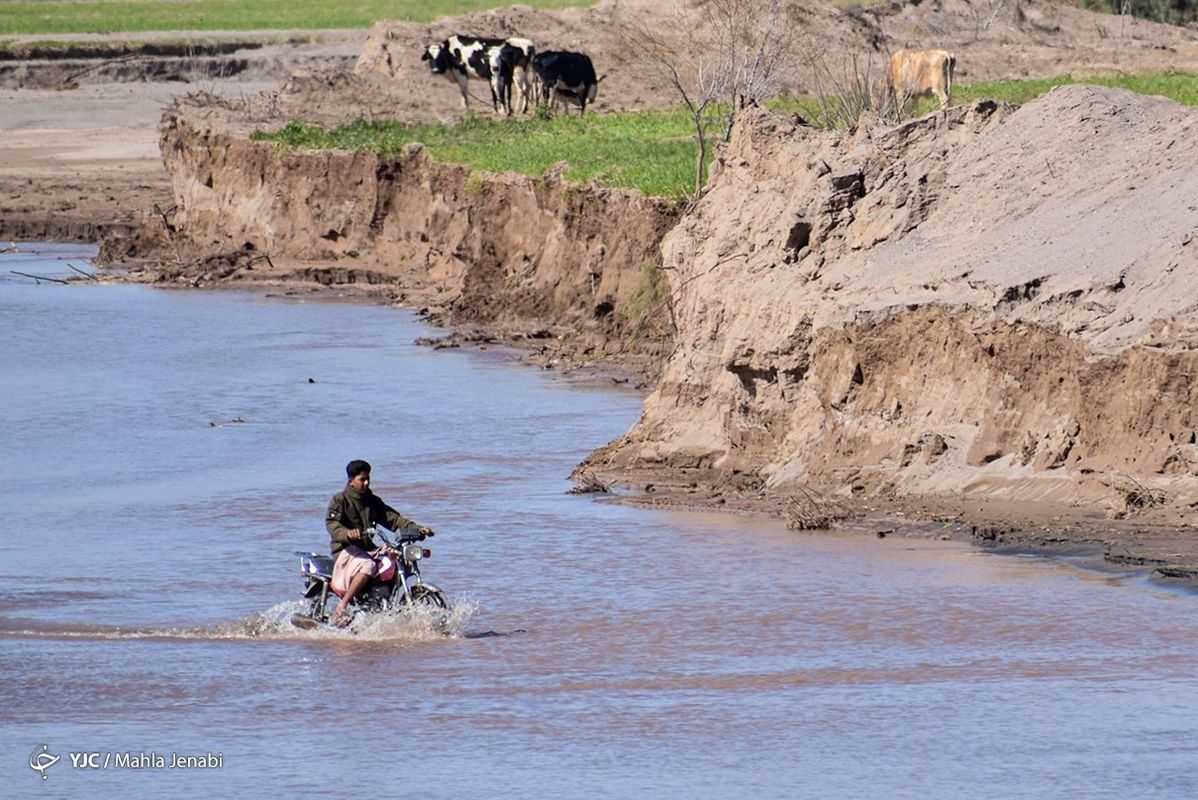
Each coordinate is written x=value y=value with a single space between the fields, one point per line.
x=990 y=303
x=988 y=300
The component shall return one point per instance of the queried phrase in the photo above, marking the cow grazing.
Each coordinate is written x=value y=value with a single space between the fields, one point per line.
x=511 y=63
x=920 y=73
x=460 y=58
x=566 y=77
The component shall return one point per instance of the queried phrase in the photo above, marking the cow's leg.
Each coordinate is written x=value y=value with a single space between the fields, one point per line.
x=944 y=88
x=496 y=92
x=464 y=86
x=544 y=92
x=520 y=76
x=505 y=93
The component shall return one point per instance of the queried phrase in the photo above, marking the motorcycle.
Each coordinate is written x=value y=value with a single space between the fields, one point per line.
x=397 y=585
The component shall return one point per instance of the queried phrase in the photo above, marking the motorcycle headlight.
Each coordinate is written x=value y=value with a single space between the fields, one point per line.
x=413 y=552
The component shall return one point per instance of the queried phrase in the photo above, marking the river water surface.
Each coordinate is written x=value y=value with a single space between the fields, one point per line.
x=164 y=452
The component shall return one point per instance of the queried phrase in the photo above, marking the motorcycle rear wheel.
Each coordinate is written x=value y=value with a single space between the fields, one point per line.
x=324 y=613
x=315 y=615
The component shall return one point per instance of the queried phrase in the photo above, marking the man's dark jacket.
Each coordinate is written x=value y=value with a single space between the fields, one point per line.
x=351 y=509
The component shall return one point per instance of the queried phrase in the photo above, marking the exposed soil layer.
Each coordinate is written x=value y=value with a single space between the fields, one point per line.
x=509 y=251
x=940 y=312
x=985 y=317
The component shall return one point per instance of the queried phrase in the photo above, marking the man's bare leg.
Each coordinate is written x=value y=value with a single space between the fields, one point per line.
x=341 y=616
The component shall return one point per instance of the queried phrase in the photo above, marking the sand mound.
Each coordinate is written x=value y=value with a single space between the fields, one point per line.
x=988 y=300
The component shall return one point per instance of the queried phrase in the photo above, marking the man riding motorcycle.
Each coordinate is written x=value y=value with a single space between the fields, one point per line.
x=352 y=513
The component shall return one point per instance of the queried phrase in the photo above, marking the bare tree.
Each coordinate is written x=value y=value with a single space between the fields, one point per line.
x=756 y=40
x=684 y=51
x=847 y=91
x=718 y=55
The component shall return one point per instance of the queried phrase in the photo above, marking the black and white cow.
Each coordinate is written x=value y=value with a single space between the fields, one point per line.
x=511 y=63
x=500 y=62
x=460 y=58
x=566 y=77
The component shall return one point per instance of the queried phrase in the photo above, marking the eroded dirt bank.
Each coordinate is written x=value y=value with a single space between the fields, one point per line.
x=988 y=315
x=535 y=257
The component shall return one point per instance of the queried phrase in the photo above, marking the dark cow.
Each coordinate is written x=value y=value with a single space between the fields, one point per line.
x=564 y=76
x=500 y=62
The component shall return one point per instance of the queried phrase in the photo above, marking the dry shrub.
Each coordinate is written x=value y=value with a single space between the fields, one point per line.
x=848 y=89
x=589 y=483
x=808 y=510
x=1133 y=497
x=717 y=56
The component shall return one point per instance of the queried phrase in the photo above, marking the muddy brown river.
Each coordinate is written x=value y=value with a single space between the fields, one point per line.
x=164 y=452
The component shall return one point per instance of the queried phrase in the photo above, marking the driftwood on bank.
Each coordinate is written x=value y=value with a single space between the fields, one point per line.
x=39 y=278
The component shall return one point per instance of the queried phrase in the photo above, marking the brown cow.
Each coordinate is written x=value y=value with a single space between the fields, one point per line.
x=921 y=73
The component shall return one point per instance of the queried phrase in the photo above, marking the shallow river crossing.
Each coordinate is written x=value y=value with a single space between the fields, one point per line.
x=164 y=452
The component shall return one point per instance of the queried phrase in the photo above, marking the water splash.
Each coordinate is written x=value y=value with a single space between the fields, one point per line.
x=424 y=623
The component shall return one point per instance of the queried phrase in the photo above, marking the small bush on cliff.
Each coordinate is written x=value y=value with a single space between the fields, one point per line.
x=1173 y=12
x=645 y=297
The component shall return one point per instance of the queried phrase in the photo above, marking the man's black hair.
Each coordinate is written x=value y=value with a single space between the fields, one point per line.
x=356 y=467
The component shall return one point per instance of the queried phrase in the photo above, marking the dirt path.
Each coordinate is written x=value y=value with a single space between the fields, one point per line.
x=80 y=156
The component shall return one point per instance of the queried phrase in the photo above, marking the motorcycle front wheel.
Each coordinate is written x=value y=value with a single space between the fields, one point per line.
x=428 y=596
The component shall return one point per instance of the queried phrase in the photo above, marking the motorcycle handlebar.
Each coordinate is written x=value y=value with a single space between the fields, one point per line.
x=419 y=536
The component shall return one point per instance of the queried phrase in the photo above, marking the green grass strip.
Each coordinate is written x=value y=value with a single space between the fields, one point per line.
x=652 y=151
x=25 y=17
x=1179 y=86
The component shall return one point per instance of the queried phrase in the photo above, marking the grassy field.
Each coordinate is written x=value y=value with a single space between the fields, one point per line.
x=652 y=151
x=60 y=17
x=1179 y=86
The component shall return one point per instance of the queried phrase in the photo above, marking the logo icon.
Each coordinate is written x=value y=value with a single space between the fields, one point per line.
x=41 y=760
